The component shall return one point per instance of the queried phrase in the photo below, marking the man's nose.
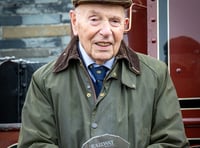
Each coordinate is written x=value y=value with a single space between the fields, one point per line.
x=106 y=29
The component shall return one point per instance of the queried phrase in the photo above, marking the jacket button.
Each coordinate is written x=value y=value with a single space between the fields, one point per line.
x=88 y=95
x=94 y=125
x=102 y=94
x=114 y=74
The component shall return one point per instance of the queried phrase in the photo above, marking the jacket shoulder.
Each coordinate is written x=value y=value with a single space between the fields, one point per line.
x=44 y=70
x=151 y=63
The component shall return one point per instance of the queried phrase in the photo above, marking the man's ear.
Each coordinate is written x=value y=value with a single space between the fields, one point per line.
x=72 y=14
x=127 y=24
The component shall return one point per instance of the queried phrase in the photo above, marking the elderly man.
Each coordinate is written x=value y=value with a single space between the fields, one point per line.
x=99 y=92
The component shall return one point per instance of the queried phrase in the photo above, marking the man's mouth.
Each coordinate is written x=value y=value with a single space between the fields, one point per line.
x=103 y=44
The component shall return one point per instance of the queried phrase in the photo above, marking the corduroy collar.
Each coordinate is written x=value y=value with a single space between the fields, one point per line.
x=71 y=53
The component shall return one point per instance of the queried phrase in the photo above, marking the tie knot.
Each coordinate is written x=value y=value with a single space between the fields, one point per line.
x=98 y=72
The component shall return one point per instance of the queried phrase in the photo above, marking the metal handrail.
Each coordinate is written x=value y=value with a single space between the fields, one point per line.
x=130 y=15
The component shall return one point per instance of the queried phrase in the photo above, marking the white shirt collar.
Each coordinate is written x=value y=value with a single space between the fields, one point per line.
x=88 y=61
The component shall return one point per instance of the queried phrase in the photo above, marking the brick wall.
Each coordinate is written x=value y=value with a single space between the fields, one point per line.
x=34 y=29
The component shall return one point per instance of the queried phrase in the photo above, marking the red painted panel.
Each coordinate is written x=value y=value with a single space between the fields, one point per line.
x=193 y=113
x=8 y=138
x=137 y=36
x=192 y=132
x=184 y=58
x=191 y=119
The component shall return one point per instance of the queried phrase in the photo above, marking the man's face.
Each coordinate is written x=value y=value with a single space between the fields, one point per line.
x=100 y=29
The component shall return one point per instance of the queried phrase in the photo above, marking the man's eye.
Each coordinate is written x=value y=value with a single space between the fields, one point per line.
x=94 y=20
x=115 y=22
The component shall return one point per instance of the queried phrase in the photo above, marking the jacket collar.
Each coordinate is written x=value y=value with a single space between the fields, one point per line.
x=71 y=53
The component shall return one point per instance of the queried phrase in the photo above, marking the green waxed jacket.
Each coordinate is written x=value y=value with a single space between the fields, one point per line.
x=138 y=103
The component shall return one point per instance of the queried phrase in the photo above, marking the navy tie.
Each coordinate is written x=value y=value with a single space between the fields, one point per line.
x=99 y=73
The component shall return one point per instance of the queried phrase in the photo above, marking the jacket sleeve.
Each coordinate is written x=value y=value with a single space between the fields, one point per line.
x=38 y=122
x=167 y=128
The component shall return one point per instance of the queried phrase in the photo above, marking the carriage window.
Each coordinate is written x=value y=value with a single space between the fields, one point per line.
x=184 y=46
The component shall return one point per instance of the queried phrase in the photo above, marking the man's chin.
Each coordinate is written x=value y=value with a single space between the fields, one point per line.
x=102 y=61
